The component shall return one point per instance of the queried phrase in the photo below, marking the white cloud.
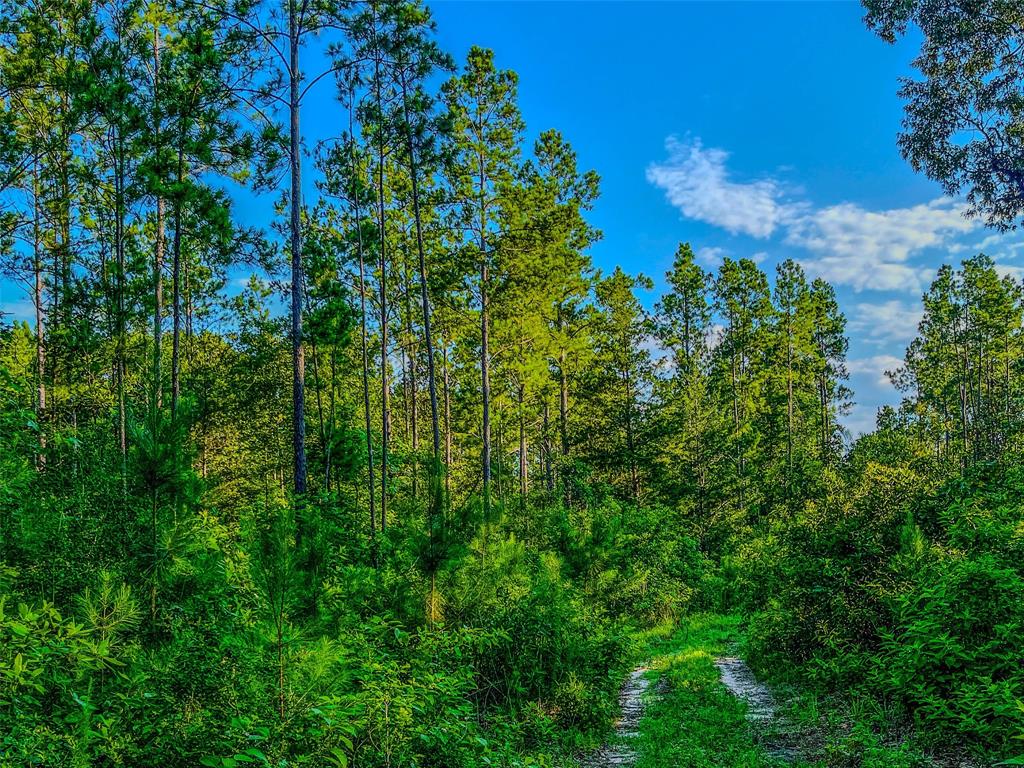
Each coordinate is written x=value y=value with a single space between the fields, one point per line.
x=696 y=182
x=714 y=335
x=658 y=352
x=999 y=245
x=848 y=244
x=874 y=367
x=1008 y=270
x=17 y=311
x=887 y=322
x=860 y=420
x=870 y=274
x=711 y=257
x=242 y=281
x=870 y=249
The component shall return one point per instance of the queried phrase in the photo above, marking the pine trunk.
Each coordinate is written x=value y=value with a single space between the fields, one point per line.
x=422 y=267
x=39 y=297
x=367 y=421
x=298 y=353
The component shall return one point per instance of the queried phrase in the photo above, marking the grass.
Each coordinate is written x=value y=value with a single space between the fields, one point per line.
x=697 y=723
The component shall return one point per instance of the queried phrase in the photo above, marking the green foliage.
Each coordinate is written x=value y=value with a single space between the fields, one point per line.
x=910 y=596
x=54 y=672
x=901 y=580
x=970 y=69
x=695 y=721
x=229 y=539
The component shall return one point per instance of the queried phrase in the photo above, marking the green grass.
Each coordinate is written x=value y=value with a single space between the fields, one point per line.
x=697 y=723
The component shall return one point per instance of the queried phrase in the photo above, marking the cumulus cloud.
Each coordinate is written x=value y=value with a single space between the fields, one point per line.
x=870 y=249
x=885 y=322
x=696 y=181
x=867 y=273
x=711 y=257
x=848 y=244
x=999 y=245
x=874 y=367
x=714 y=335
x=860 y=420
x=1009 y=270
x=658 y=352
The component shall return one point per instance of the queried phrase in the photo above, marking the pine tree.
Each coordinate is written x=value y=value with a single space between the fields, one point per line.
x=485 y=126
x=743 y=301
x=689 y=422
x=830 y=343
x=273 y=34
x=416 y=57
x=792 y=344
x=620 y=382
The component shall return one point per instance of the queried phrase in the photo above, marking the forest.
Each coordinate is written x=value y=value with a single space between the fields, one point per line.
x=424 y=485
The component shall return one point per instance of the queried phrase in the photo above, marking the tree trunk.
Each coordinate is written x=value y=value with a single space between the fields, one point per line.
x=324 y=445
x=385 y=387
x=410 y=353
x=422 y=266
x=788 y=404
x=630 y=442
x=485 y=362
x=823 y=394
x=119 y=217
x=563 y=391
x=549 y=475
x=1006 y=378
x=176 y=296
x=789 y=409
x=189 y=307
x=523 y=470
x=485 y=385
x=298 y=353
x=963 y=407
x=362 y=333
x=39 y=296
x=563 y=404
x=447 y=426
x=499 y=454
x=158 y=254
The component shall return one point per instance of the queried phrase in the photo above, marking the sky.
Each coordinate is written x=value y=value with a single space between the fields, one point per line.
x=752 y=129
x=756 y=129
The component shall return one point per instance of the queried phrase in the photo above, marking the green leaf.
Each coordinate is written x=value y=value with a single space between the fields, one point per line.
x=338 y=757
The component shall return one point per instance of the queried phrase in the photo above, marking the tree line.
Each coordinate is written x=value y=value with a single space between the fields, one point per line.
x=490 y=353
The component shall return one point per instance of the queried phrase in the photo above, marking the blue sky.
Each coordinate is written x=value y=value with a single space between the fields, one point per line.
x=758 y=129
